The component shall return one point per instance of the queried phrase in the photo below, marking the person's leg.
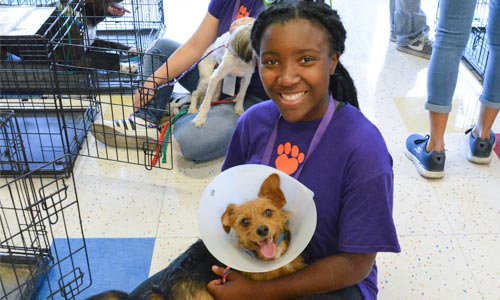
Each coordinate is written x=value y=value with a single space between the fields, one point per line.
x=409 y=21
x=452 y=34
x=392 y=8
x=211 y=140
x=453 y=30
x=410 y=29
x=482 y=138
x=490 y=98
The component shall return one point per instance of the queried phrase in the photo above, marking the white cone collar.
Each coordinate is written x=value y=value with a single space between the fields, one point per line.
x=242 y=183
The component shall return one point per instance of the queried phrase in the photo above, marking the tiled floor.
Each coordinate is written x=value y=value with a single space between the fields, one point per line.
x=449 y=229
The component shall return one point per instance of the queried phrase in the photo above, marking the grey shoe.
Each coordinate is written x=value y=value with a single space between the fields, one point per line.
x=480 y=150
x=421 y=47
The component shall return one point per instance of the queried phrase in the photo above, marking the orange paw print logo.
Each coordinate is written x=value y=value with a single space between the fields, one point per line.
x=242 y=13
x=289 y=158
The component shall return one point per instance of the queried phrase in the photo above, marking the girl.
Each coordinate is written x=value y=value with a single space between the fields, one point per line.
x=313 y=131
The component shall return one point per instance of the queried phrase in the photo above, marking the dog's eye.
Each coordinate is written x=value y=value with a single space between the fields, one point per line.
x=245 y=222
x=268 y=213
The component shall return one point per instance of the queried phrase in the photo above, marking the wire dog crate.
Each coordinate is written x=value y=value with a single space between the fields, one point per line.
x=43 y=254
x=476 y=52
x=55 y=82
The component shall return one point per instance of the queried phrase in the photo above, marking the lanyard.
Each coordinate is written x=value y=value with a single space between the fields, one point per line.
x=320 y=131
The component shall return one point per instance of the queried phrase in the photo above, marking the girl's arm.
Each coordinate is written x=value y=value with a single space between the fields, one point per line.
x=324 y=276
x=183 y=58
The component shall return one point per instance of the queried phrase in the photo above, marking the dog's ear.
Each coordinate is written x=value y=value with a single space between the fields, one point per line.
x=270 y=189
x=228 y=218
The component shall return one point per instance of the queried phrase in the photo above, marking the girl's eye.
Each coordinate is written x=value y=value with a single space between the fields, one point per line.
x=268 y=213
x=307 y=59
x=270 y=62
x=245 y=222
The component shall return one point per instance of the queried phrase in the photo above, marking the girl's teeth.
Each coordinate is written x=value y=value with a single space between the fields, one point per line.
x=293 y=97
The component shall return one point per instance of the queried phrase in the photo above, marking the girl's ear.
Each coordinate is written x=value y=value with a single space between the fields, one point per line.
x=334 y=62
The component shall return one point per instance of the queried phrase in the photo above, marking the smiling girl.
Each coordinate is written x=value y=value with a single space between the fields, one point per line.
x=313 y=130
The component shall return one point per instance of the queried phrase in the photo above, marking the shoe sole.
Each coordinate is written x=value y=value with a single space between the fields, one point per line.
x=412 y=52
x=481 y=160
x=421 y=169
x=110 y=137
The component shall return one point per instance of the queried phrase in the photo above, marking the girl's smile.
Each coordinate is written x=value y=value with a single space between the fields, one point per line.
x=295 y=67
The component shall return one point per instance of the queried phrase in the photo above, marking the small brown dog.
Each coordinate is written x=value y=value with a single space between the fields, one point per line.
x=261 y=227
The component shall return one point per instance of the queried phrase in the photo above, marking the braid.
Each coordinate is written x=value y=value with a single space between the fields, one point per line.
x=316 y=11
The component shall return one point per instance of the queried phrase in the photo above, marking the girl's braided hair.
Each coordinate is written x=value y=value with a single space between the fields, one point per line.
x=316 y=11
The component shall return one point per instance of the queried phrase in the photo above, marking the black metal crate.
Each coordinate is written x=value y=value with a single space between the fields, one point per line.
x=43 y=254
x=40 y=131
x=27 y=44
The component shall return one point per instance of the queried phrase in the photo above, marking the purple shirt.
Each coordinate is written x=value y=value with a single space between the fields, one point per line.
x=227 y=11
x=350 y=173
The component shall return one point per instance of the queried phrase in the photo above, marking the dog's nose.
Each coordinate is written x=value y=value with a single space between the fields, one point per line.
x=262 y=230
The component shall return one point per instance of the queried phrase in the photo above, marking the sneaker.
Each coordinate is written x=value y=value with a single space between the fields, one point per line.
x=480 y=150
x=132 y=133
x=421 y=47
x=429 y=165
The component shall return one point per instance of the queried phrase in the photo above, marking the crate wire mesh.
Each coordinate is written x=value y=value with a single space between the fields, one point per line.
x=43 y=254
x=113 y=138
x=12 y=155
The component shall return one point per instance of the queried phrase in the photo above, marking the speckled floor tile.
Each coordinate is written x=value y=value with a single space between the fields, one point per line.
x=119 y=208
x=481 y=253
x=430 y=267
x=167 y=249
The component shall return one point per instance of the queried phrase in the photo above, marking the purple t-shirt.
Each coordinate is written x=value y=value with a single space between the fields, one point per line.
x=350 y=173
x=227 y=11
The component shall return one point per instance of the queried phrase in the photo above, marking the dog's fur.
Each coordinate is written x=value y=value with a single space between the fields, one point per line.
x=95 y=11
x=237 y=58
x=255 y=222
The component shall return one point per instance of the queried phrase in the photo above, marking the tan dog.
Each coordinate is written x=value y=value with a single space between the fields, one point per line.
x=261 y=227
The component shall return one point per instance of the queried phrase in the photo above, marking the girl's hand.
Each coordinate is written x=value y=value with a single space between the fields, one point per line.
x=235 y=287
x=144 y=94
x=240 y=22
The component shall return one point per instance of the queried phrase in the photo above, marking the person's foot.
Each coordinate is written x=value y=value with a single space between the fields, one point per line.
x=428 y=164
x=421 y=47
x=480 y=150
x=132 y=133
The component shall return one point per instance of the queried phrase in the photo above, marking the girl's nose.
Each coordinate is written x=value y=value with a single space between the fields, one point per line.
x=288 y=75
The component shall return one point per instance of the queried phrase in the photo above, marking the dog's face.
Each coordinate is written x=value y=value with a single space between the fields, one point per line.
x=261 y=225
x=97 y=10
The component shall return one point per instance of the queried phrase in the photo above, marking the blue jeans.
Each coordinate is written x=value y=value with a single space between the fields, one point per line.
x=196 y=144
x=452 y=33
x=408 y=21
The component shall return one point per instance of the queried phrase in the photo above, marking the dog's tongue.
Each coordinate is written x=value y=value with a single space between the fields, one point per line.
x=117 y=10
x=267 y=248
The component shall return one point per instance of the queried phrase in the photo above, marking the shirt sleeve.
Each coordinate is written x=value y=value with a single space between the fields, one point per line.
x=366 y=220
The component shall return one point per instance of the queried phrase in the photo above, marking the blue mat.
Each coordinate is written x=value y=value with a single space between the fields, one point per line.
x=119 y=264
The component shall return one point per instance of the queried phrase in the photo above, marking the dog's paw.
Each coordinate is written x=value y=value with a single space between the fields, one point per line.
x=239 y=110
x=128 y=68
x=192 y=109
x=199 y=121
